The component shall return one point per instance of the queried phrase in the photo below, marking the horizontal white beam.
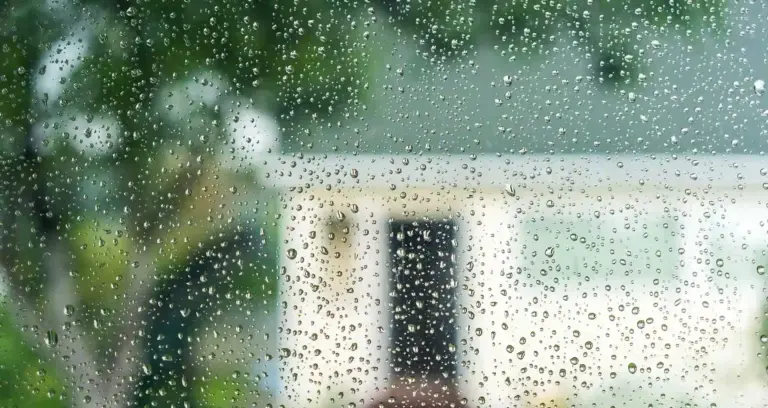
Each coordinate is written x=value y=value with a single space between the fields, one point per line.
x=497 y=171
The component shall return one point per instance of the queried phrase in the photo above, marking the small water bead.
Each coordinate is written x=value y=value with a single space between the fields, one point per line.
x=632 y=367
x=719 y=262
x=761 y=270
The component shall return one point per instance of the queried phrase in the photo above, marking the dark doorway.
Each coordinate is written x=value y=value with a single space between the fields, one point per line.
x=423 y=301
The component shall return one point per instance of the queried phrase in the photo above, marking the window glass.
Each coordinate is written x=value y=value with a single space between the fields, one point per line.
x=383 y=203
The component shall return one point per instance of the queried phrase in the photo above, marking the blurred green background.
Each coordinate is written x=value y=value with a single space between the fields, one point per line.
x=138 y=241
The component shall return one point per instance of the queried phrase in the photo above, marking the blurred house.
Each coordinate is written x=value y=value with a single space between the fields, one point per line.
x=582 y=244
x=522 y=280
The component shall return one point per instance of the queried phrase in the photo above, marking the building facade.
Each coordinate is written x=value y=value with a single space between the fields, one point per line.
x=544 y=279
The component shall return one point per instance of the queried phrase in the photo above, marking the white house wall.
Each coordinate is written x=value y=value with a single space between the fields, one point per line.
x=676 y=341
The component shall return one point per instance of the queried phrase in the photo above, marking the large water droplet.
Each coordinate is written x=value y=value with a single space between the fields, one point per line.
x=69 y=310
x=759 y=87
x=51 y=338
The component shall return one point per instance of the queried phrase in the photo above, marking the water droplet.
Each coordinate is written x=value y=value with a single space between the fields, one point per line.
x=549 y=252
x=291 y=253
x=185 y=312
x=759 y=87
x=632 y=367
x=761 y=270
x=51 y=338
x=510 y=348
x=509 y=190
x=69 y=310
x=354 y=173
x=719 y=262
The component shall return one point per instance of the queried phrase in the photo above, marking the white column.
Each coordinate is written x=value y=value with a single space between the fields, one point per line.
x=334 y=319
x=301 y=371
x=486 y=300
